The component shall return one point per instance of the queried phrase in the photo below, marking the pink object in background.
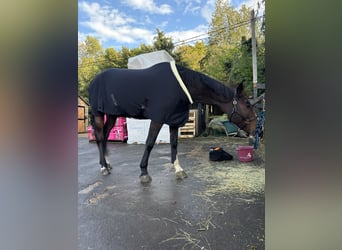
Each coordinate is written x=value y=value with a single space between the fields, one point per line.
x=245 y=153
x=118 y=132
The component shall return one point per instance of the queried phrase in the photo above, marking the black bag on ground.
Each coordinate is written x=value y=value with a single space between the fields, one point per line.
x=218 y=154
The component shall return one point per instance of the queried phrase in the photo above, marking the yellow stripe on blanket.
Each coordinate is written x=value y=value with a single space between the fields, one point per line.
x=180 y=81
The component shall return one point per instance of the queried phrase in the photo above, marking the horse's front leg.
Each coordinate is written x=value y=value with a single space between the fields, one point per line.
x=180 y=173
x=151 y=139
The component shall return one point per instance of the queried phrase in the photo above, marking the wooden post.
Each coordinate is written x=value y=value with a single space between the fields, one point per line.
x=254 y=57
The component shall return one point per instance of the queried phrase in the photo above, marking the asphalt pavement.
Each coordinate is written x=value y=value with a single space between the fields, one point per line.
x=219 y=206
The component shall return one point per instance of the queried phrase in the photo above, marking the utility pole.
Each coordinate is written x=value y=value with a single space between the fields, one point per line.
x=254 y=58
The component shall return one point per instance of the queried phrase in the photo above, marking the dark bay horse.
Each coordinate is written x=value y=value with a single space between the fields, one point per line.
x=162 y=93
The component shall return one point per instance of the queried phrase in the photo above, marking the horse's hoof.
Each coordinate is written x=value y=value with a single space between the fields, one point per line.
x=105 y=171
x=181 y=175
x=145 y=179
x=109 y=167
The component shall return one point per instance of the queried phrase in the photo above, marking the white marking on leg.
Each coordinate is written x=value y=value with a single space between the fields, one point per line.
x=108 y=164
x=104 y=171
x=177 y=166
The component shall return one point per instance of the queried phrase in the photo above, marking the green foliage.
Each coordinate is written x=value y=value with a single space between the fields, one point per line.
x=192 y=55
x=213 y=62
x=229 y=51
x=228 y=25
x=93 y=47
x=90 y=62
x=112 y=58
x=160 y=41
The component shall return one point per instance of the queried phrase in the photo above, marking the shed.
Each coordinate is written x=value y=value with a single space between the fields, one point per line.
x=82 y=113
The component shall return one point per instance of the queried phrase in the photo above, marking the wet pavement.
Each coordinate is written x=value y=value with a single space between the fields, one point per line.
x=219 y=206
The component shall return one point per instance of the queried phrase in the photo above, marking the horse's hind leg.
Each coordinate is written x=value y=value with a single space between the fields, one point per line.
x=101 y=134
x=151 y=139
x=110 y=122
x=180 y=173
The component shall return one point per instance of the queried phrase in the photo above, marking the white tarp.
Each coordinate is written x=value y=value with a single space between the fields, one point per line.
x=148 y=59
x=138 y=129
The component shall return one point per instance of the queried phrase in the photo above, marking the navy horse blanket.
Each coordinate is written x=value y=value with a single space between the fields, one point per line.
x=152 y=93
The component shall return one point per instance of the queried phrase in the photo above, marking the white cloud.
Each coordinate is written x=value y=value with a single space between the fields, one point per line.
x=208 y=9
x=149 y=6
x=192 y=9
x=198 y=32
x=111 y=24
x=104 y=14
x=187 y=1
x=189 y=6
x=162 y=25
x=148 y=20
x=81 y=37
x=254 y=4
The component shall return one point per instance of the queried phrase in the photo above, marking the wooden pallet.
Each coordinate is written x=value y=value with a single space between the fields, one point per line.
x=190 y=129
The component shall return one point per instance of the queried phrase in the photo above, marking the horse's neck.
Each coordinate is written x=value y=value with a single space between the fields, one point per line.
x=212 y=93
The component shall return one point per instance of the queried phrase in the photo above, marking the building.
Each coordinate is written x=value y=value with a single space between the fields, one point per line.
x=82 y=111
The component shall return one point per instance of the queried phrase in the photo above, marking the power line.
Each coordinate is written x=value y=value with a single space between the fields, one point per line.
x=220 y=30
x=214 y=32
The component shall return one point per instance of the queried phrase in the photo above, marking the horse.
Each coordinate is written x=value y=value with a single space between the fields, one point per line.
x=162 y=93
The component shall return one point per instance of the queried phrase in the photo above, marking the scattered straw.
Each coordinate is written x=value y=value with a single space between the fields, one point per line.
x=164 y=218
x=231 y=177
x=188 y=238
x=90 y=188
x=227 y=176
x=245 y=179
x=205 y=225
x=97 y=198
x=186 y=221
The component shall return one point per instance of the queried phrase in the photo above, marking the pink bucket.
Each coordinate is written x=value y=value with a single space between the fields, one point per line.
x=245 y=153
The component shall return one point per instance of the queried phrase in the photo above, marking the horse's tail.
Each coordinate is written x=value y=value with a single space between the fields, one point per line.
x=92 y=120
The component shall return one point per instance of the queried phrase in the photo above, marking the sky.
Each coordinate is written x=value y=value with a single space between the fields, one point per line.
x=129 y=23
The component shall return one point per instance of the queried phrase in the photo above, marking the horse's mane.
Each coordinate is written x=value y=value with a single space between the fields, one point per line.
x=191 y=77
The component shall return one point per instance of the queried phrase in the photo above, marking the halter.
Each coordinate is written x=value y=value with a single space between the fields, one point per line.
x=235 y=108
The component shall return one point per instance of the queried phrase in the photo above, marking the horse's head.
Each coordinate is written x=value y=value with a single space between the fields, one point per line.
x=241 y=112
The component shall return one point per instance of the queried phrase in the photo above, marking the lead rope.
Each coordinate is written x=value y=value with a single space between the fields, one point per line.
x=259 y=126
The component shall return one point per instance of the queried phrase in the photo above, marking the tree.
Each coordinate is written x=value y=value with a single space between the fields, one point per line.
x=93 y=47
x=162 y=42
x=239 y=65
x=113 y=58
x=119 y=59
x=192 y=55
x=228 y=25
x=90 y=62
x=125 y=54
x=228 y=57
x=143 y=48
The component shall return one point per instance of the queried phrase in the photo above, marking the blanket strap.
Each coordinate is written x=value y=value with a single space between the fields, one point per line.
x=180 y=81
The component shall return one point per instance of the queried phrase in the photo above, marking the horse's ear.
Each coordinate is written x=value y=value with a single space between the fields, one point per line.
x=239 y=89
